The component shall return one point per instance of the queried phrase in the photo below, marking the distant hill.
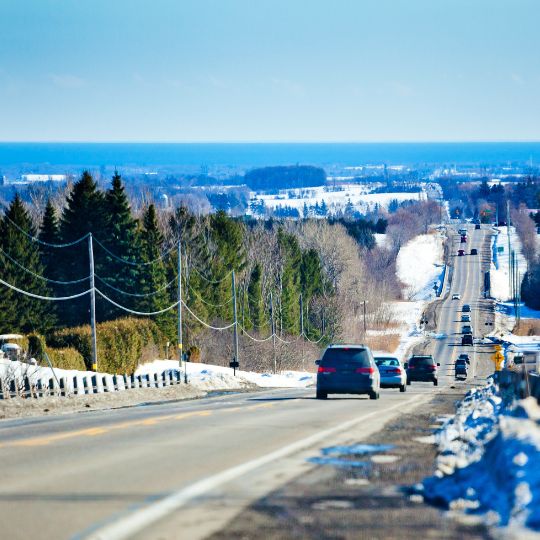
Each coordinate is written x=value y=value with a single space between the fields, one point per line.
x=284 y=177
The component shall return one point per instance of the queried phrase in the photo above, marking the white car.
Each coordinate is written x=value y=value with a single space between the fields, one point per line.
x=393 y=374
x=456 y=297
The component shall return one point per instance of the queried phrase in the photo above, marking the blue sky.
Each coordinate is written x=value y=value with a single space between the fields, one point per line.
x=269 y=70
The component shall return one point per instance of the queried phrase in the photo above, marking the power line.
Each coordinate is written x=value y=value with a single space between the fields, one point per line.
x=133 y=263
x=39 y=276
x=145 y=314
x=40 y=297
x=218 y=328
x=226 y=303
x=137 y=295
x=214 y=282
x=37 y=240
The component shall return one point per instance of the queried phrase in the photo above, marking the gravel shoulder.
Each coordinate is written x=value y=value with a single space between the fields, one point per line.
x=364 y=501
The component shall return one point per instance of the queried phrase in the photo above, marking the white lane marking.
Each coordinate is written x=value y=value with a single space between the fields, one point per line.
x=141 y=519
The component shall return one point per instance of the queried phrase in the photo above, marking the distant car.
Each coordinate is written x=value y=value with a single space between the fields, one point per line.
x=462 y=231
x=461 y=252
x=422 y=368
x=347 y=369
x=466 y=308
x=460 y=368
x=467 y=329
x=456 y=296
x=464 y=356
x=467 y=339
x=474 y=251
x=393 y=374
x=463 y=239
x=465 y=318
x=477 y=226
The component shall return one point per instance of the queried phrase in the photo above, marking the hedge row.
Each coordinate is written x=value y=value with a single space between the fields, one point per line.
x=64 y=358
x=121 y=344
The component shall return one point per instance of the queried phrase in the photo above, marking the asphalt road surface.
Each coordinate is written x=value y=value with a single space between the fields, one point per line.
x=183 y=470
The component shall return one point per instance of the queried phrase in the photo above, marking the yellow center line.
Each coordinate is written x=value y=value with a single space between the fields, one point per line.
x=96 y=431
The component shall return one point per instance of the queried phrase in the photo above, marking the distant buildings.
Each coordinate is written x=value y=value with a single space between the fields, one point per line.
x=34 y=178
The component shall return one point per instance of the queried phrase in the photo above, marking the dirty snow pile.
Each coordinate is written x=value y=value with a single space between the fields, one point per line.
x=420 y=264
x=489 y=461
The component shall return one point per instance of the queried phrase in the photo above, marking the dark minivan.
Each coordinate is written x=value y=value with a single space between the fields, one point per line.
x=347 y=369
x=422 y=368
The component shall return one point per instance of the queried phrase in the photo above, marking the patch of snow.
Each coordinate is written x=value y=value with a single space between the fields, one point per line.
x=420 y=264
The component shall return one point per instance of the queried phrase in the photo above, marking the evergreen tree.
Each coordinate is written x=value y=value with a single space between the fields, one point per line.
x=18 y=312
x=121 y=237
x=311 y=282
x=84 y=213
x=153 y=277
x=305 y=211
x=257 y=314
x=49 y=232
x=290 y=282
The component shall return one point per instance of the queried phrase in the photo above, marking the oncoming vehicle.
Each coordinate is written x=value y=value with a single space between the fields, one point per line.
x=393 y=374
x=464 y=356
x=456 y=297
x=347 y=369
x=466 y=308
x=474 y=251
x=422 y=368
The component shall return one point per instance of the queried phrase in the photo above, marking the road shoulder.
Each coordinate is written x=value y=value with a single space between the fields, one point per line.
x=363 y=501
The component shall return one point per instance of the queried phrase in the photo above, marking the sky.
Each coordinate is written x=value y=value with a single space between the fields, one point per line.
x=269 y=70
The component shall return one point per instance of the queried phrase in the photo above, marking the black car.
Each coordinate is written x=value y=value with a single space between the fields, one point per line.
x=422 y=368
x=466 y=308
x=461 y=367
x=467 y=339
x=347 y=369
x=477 y=226
x=474 y=251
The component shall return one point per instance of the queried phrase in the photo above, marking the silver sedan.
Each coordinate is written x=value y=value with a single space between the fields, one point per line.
x=393 y=374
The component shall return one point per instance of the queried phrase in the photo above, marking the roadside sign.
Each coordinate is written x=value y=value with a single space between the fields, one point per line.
x=498 y=358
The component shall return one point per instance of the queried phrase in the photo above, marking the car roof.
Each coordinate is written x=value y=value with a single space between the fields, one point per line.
x=385 y=355
x=347 y=345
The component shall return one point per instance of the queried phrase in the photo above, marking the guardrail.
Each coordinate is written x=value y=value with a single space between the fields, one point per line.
x=78 y=385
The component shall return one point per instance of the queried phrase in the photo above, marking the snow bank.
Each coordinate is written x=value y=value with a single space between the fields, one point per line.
x=500 y=286
x=489 y=460
x=208 y=377
x=420 y=264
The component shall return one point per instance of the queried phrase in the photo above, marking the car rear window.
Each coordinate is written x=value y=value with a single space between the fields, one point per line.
x=340 y=357
x=387 y=361
x=421 y=361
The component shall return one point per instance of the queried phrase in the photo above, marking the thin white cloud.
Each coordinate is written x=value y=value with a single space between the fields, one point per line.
x=67 y=80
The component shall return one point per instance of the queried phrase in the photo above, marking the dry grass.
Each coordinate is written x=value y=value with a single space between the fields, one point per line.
x=388 y=342
x=528 y=327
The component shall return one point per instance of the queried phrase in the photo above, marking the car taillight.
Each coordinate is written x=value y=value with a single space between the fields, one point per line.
x=326 y=369
x=396 y=371
x=433 y=368
x=365 y=370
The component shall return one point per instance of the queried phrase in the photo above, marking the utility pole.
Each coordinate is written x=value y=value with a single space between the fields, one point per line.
x=235 y=335
x=273 y=329
x=509 y=247
x=365 y=319
x=92 y=303
x=302 y=327
x=181 y=356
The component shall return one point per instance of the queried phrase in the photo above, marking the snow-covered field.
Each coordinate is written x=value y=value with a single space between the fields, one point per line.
x=420 y=264
x=489 y=462
x=358 y=195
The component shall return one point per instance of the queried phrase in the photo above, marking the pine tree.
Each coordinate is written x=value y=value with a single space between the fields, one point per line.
x=18 y=312
x=84 y=213
x=153 y=277
x=257 y=315
x=121 y=237
x=290 y=282
x=49 y=232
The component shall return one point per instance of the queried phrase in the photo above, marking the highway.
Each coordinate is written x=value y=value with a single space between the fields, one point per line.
x=184 y=469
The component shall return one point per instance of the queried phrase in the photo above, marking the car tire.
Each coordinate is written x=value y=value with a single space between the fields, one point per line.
x=374 y=395
x=408 y=382
x=403 y=388
x=321 y=395
x=435 y=382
